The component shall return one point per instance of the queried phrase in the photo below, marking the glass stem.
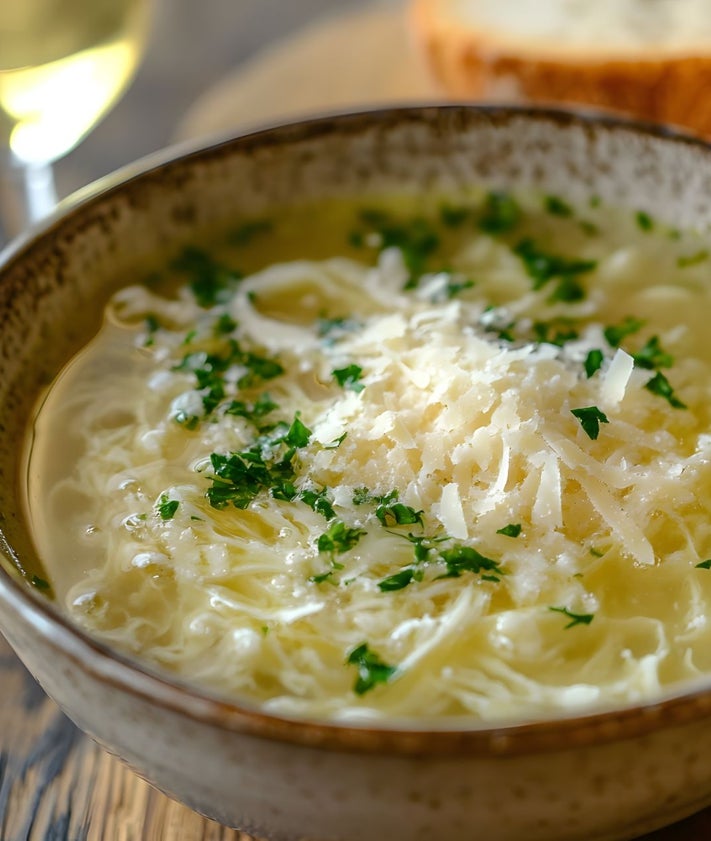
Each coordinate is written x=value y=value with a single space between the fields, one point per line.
x=27 y=194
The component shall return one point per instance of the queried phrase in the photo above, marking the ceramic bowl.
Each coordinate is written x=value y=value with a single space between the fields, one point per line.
x=611 y=775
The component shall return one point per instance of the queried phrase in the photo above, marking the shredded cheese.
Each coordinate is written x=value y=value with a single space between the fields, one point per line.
x=446 y=505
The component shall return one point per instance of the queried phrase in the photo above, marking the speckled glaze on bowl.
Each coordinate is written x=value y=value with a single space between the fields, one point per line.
x=613 y=775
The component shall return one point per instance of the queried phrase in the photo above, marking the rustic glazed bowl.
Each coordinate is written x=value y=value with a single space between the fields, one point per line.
x=611 y=775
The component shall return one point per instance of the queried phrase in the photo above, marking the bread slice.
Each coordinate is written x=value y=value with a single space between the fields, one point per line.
x=648 y=58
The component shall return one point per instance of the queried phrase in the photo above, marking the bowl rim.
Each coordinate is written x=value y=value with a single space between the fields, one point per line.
x=674 y=707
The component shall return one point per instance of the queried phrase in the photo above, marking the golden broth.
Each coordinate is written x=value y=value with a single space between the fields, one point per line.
x=420 y=460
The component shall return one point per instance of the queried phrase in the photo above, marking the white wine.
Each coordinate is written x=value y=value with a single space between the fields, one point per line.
x=63 y=63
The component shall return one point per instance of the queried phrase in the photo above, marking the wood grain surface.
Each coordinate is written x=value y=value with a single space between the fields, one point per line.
x=57 y=785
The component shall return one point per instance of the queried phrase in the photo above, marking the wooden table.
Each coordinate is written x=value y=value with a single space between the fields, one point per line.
x=57 y=785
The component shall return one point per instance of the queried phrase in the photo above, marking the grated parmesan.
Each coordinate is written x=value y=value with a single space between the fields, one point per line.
x=444 y=436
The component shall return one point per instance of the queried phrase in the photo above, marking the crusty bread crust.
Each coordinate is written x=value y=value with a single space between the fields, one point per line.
x=469 y=64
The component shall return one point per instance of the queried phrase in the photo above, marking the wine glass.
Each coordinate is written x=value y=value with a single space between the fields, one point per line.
x=63 y=64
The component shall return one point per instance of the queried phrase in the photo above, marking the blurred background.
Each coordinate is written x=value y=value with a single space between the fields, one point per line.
x=192 y=45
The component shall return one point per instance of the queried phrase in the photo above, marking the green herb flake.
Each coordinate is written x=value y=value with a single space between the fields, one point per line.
x=334 y=328
x=152 y=327
x=684 y=262
x=248 y=231
x=323 y=577
x=211 y=283
x=569 y=290
x=416 y=239
x=398 y=581
x=704 y=564
x=512 y=530
x=225 y=324
x=500 y=213
x=339 y=538
x=396 y=513
x=453 y=216
x=575 y=618
x=543 y=267
x=616 y=333
x=40 y=583
x=349 y=377
x=590 y=419
x=644 y=221
x=259 y=368
x=319 y=501
x=557 y=207
x=336 y=443
x=361 y=496
x=254 y=412
x=167 y=507
x=593 y=362
x=461 y=559
x=652 y=356
x=661 y=386
x=554 y=332
x=238 y=479
x=187 y=421
x=456 y=287
x=298 y=435
x=371 y=669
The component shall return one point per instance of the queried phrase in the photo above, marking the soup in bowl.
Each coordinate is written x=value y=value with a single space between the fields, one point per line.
x=364 y=476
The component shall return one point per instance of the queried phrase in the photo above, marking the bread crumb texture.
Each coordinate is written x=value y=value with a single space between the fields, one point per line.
x=648 y=60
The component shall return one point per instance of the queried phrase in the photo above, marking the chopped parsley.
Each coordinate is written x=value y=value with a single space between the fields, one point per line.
x=455 y=287
x=661 y=386
x=248 y=231
x=616 y=333
x=238 y=479
x=590 y=419
x=253 y=412
x=512 y=530
x=371 y=669
x=461 y=559
x=568 y=290
x=334 y=328
x=453 y=216
x=557 y=207
x=416 y=239
x=388 y=510
x=704 y=564
x=167 y=507
x=40 y=583
x=323 y=577
x=152 y=326
x=684 y=262
x=644 y=221
x=652 y=356
x=575 y=618
x=225 y=324
x=500 y=213
x=593 y=362
x=320 y=502
x=298 y=435
x=264 y=467
x=349 y=377
x=399 y=580
x=542 y=267
x=209 y=370
x=554 y=332
x=339 y=538
x=210 y=282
